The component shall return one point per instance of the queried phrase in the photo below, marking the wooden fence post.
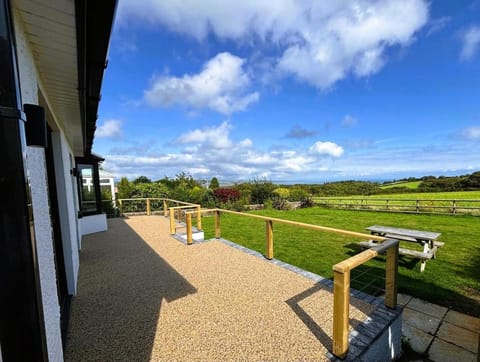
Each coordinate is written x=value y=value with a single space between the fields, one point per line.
x=120 y=207
x=199 y=218
x=391 y=277
x=454 y=209
x=418 y=206
x=217 y=224
x=189 y=229
x=269 y=239
x=148 y=207
x=165 y=209
x=172 y=221
x=341 y=306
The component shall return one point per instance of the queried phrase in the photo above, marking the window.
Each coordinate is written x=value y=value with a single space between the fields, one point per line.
x=89 y=192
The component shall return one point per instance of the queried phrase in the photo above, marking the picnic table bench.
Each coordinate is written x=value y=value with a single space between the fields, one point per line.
x=427 y=239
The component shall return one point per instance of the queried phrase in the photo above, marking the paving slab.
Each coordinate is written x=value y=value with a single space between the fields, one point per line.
x=403 y=299
x=442 y=351
x=458 y=336
x=463 y=320
x=417 y=339
x=433 y=310
x=420 y=320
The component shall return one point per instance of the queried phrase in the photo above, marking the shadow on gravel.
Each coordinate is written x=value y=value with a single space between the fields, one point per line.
x=310 y=322
x=122 y=285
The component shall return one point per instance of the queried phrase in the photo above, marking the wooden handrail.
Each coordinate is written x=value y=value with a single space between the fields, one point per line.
x=148 y=208
x=301 y=224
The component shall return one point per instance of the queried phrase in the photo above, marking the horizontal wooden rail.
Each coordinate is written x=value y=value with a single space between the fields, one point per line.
x=166 y=201
x=300 y=224
x=184 y=207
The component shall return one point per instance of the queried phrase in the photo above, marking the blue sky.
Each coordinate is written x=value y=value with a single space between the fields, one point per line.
x=294 y=91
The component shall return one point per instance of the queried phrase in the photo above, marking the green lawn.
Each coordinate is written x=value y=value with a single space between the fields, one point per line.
x=451 y=280
x=409 y=185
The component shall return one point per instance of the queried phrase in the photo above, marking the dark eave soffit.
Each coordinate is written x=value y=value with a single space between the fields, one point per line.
x=94 y=26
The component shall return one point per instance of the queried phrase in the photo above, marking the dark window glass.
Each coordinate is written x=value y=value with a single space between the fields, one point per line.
x=88 y=198
x=7 y=84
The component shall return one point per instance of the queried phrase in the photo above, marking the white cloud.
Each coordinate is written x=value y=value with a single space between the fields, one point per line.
x=349 y=121
x=470 y=43
x=319 y=42
x=215 y=137
x=436 y=25
x=327 y=148
x=109 y=129
x=472 y=133
x=212 y=151
x=220 y=86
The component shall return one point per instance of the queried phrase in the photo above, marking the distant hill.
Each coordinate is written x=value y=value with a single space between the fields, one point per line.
x=411 y=185
x=469 y=182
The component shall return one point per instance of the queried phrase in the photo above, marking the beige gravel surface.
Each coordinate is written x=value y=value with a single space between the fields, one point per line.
x=144 y=296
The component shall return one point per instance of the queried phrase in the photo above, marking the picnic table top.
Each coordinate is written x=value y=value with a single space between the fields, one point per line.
x=416 y=234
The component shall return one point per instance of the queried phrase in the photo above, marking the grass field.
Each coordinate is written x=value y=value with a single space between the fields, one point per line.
x=451 y=279
x=409 y=185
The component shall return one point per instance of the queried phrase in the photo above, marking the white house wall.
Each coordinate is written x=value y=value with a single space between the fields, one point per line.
x=36 y=171
x=44 y=242
x=67 y=211
x=93 y=224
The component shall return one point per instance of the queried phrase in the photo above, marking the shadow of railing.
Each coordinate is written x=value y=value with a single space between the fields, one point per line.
x=320 y=334
x=122 y=285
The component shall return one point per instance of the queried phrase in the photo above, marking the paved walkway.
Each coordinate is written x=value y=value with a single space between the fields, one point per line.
x=438 y=333
x=142 y=295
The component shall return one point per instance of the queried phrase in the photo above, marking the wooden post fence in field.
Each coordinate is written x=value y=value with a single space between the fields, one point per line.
x=148 y=207
x=165 y=209
x=269 y=239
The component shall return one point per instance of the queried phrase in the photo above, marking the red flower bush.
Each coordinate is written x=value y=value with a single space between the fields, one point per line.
x=226 y=194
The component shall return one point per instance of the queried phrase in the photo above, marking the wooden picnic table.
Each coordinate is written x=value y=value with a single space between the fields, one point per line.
x=428 y=239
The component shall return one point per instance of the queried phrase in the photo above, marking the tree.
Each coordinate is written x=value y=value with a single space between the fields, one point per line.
x=142 y=180
x=261 y=190
x=156 y=190
x=214 y=184
x=125 y=188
